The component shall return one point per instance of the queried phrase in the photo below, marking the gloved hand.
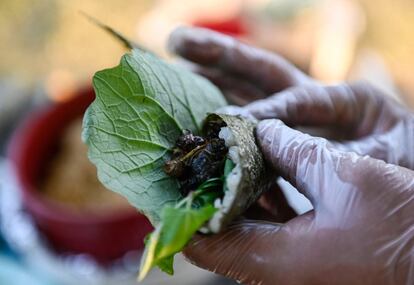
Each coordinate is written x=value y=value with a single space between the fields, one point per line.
x=368 y=122
x=361 y=230
x=243 y=72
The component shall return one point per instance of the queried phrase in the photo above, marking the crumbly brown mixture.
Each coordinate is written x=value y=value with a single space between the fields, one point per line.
x=196 y=159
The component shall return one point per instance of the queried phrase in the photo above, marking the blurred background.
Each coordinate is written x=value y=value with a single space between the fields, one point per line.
x=58 y=225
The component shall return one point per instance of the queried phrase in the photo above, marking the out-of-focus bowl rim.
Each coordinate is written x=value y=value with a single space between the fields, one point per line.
x=18 y=151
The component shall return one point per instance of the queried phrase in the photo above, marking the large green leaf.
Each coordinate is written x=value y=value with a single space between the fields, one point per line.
x=141 y=107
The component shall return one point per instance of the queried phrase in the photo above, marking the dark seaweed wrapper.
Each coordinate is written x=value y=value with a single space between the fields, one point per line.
x=254 y=178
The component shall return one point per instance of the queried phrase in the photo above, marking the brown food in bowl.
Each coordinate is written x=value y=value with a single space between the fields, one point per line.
x=71 y=179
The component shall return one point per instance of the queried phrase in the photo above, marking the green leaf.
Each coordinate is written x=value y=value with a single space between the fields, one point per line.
x=228 y=167
x=171 y=235
x=179 y=226
x=114 y=33
x=167 y=265
x=206 y=198
x=148 y=258
x=207 y=192
x=141 y=107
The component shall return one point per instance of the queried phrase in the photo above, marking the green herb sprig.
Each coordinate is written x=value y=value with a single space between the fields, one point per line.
x=179 y=224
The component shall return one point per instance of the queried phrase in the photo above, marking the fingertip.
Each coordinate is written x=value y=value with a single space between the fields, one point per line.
x=283 y=147
x=176 y=38
x=265 y=126
x=268 y=133
x=196 y=44
x=274 y=133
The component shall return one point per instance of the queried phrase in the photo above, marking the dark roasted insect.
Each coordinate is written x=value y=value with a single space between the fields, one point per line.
x=175 y=167
x=205 y=164
x=188 y=141
x=196 y=159
x=185 y=148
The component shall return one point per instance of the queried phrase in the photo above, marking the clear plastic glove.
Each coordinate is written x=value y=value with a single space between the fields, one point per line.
x=361 y=230
x=243 y=72
x=360 y=117
x=363 y=119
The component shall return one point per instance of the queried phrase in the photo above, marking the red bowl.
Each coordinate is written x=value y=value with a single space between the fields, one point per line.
x=105 y=236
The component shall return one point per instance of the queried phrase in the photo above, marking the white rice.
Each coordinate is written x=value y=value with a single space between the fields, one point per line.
x=223 y=205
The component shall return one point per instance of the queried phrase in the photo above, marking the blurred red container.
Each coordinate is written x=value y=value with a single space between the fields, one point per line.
x=104 y=236
x=233 y=27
